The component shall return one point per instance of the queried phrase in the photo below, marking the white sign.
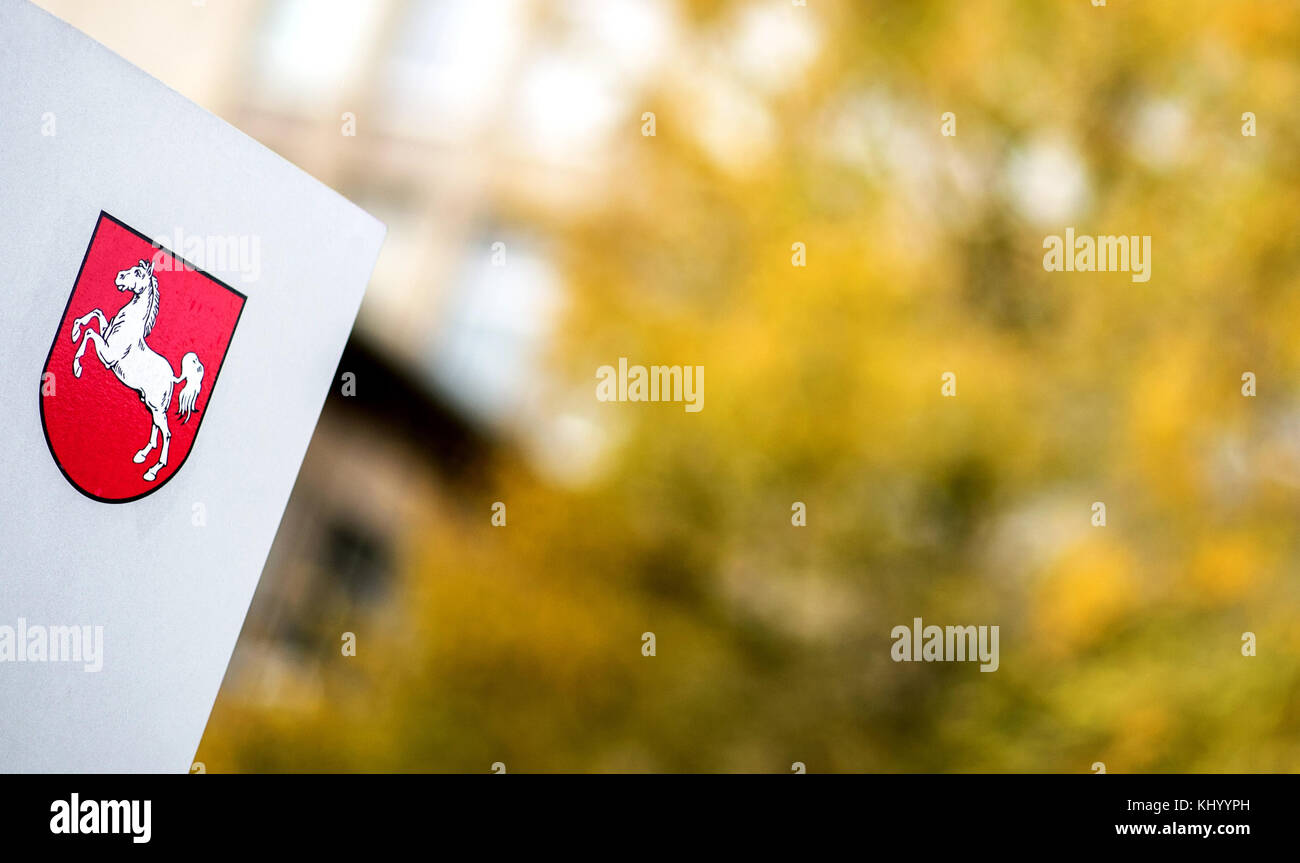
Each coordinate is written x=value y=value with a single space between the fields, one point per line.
x=176 y=298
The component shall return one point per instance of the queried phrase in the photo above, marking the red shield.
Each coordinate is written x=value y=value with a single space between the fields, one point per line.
x=133 y=364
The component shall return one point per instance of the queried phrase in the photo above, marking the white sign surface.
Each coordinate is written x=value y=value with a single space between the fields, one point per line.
x=138 y=500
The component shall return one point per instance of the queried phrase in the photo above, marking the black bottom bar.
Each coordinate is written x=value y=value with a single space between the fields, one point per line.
x=332 y=813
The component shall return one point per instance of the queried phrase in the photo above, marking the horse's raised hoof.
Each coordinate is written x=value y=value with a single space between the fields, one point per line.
x=140 y=456
x=76 y=331
x=76 y=368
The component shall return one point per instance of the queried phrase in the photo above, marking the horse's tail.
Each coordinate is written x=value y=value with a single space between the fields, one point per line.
x=192 y=375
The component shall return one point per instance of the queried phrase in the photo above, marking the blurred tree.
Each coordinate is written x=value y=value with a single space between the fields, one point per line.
x=923 y=256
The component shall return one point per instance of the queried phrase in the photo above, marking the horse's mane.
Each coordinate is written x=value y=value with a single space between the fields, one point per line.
x=151 y=305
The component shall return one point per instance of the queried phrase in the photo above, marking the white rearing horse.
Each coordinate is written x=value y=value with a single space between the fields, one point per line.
x=121 y=348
